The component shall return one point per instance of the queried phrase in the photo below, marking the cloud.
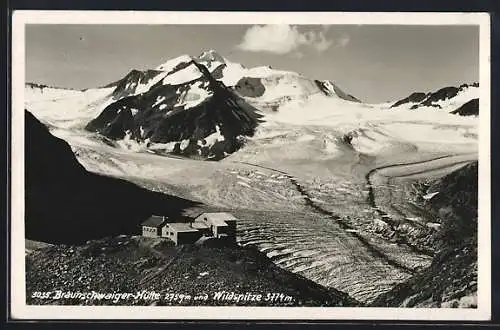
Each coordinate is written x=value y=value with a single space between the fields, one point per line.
x=344 y=41
x=322 y=44
x=282 y=39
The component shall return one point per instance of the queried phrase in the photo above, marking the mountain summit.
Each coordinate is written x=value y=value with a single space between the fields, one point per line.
x=199 y=106
x=211 y=56
x=187 y=110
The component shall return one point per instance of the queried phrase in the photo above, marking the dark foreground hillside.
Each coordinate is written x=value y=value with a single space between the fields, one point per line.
x=451 y=279
x=217 y=275
x=67 y=204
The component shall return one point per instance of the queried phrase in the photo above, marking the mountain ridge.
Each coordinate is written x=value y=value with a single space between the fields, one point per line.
x=431 y=99
x=173 y=108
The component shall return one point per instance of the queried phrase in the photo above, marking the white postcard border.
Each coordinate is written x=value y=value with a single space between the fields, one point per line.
x=19 y=309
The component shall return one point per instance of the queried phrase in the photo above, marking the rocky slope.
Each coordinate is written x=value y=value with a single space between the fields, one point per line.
x=67 y=204
x=451 y=279
x=127 y=264
x=131 y=84
x=470 y=108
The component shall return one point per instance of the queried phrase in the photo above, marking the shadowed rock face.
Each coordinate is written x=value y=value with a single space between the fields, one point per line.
x=250 y=87
x=470 y=108
x=334 y=89
x=128 y=84
x=161 y=115
x=457 y=191
x=67 y=204
x=413 y=98
x=450 y=281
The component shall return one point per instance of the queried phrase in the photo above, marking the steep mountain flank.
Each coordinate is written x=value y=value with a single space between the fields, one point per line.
x=131 y=83
x=451 y=279
x=470 y=108
x=191 y=111
x=330 y=89
x=67 y=204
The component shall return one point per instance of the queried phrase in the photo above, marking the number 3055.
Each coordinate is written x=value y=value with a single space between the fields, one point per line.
x=40 y=295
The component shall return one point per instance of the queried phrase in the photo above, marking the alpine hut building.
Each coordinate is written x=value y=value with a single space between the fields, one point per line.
x=219 y=225
x=153 y=225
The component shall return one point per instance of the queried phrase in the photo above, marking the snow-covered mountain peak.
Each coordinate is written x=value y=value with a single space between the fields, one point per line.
x=210 y=56
x=174 y=62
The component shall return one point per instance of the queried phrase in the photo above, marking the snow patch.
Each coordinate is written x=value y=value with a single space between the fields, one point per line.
x=214 y=137
x=430 y=195
x=128 y=143
x=233 y=72
x=171 y=64
x=142 y=88
x=185 y=75
x=159 y=99
x=184 y=144
x=193 y=96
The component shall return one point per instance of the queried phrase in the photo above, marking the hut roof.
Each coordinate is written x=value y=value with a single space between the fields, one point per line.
x=199 y=225
x=219 y=218
x=154 y=221
x=181 y=226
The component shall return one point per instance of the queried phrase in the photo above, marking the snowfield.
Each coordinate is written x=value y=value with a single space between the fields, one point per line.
x=194 y=96
x=66 y=108
x=187 y=74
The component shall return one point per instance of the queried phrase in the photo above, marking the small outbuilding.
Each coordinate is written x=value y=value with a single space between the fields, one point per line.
x=220 y=224
x=152 y=226
x=181 y=233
